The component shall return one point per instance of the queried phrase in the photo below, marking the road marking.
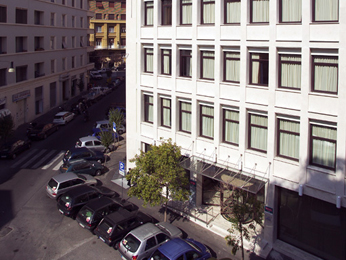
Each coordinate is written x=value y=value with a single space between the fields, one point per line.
x=52 y=161
x=29 y=154
x=33 y=158
x=57 y=167
x=43 y=159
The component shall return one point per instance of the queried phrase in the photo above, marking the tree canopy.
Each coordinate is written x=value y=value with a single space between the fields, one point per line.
x=116 y=116
x=158 y=172
x=6 y=127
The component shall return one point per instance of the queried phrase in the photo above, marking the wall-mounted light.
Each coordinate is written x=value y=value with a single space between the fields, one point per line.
x=11 y=68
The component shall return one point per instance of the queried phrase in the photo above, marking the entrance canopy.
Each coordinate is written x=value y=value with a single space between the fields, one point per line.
x=249 y=180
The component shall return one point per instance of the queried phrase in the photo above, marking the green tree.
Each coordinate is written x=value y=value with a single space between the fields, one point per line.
x=243 y=210
x=159 y=171
x=106 y=139
x=6 y=127
x=116 y=116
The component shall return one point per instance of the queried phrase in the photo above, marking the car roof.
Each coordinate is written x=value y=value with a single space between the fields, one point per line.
x=146 y=230
x=100 y=203
x=102 y=122
x=65 y=177
x=174 y=248
x=62 y=113
x=88 y=138
x=79 y=149
x=79 y=190
x=119 y=216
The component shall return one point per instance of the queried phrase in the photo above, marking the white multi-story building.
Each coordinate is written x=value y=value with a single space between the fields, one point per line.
x=46 y=43
x=254 y=92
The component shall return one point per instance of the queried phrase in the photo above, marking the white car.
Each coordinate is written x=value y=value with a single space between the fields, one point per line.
x=62 y=118
x=95 y=75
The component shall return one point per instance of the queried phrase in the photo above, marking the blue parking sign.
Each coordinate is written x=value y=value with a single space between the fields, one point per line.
x=122 y=168
x=114 y=128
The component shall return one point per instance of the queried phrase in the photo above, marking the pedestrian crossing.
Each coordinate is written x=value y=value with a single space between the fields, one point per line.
x=37 y=158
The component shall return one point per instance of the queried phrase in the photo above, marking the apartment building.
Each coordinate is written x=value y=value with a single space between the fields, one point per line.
x=109 y=32
x=43 y=55
x=254 y=93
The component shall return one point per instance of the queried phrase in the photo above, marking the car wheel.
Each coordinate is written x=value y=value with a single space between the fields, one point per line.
x=13 y=156
x=121 y=132
x=98 y=173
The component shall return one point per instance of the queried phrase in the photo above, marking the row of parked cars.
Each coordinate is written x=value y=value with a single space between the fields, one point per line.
x=121 y=225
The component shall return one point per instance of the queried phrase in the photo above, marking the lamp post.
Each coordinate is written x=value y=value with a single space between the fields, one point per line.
x=11 y=68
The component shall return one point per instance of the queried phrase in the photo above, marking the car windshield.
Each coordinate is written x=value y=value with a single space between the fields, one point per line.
x=79 y=143
x=82 y=177
x=66 y=199
x=158 y=256
x=131 y=243
x=39 y=127
x=53 y=184
x=105 y=227
x=87 y=214
x=57 y=117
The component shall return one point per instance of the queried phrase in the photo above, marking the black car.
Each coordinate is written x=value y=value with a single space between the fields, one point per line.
x=93 y=212
x=83 y=153
x=82 y=166
x=41 y=131
x=73 y=200
x=116 y=225
x=12 y=148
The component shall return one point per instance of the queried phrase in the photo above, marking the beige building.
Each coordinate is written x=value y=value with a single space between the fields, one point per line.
x=253 y=91
x=47 y=45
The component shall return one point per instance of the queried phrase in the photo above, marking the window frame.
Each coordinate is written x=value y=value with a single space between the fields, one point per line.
x=224 y=121
x=202 y=58
x=146 y=8
x=146 y=54
x=225 y=11
x=280 y=63
x=163 y=108
x=250 y=125
x=188 y=113
x=203 y=4
x=225 y=59
x=313 y=14
x=166 y=6
x=147 y=105
x=251 y=13
x=163 y=55
x=181 y=12
x=3 y=12
x=182 y=65
x=260 y=60
x=313 y=67
x=201 y=121
x=21 y=16
x=280 y=14
x=282 y=131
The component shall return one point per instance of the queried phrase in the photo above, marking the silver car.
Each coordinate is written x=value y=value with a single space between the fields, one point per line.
x=90 y=142
x=63 y=182
x=62 y=118
x=141 y=242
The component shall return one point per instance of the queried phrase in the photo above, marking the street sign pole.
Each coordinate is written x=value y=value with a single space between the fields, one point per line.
x=122 y=173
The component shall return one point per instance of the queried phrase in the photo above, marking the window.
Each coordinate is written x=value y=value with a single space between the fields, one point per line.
x=63 y=64
x=149 y=13
x=21 y=16
x=73 y=3
x=98 y=42
x=290 y=11
x=288 y=138
x=207 y=12
x=63 y=20
x=81 y=41
x=63 y=2
x=323 y=146
x=231 y=66
x=21 y=44
x=3 y=80
x=38 y=17
x=52 y=91
x=232 y=11
x=148 y=108
x=38 y=100
x=123 y=5
x=73 y=21
x=186 y=12
x=39 y=69
x=81 y=60
x=123 y=17
x=122 y=42
x=259 y=69
x=290 y=71
x=99 y=4
x=81 y=4
x=98 y=16
x=52 y=42
x=73 y=41
x=98 y=28
x=39 y=43
x=52 y=19
x=3 y=45
x=325 y=10
x=63 y=43
x=21 y=73
x=111 y=17
x=73 y=62
x=207 y=64
x=123 y=29
x=186 y=63
x=230 y=133
x=259 y=11
x=325 y=74
x=111 y=4
x=185 y=116
x=81 y=22
x=148 y=60
x=207 y=121
x=166 y=14
x=166 y=62
x=52 y=66
x=258 y=128
x=3 y=14
x=166 y=112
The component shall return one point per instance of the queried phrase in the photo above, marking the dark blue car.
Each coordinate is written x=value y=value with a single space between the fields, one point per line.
x=97 y=132
x=178 y=248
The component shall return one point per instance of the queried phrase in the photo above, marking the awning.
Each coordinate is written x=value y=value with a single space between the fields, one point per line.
x=249 y=180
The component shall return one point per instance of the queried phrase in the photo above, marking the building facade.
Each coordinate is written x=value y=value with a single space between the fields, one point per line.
x=253 y=92
x=109 y=32
x=46 y=43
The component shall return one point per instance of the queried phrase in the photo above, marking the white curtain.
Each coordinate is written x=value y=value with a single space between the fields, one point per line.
x=149 y=60
x=326 y=10
x=232 y=67
x=186 y=12
x=207 y=122
x=290 y=72
x=150 y=13
x=166 y=61
x=323 y=151
x=208 y=65
x=166 y=112
x=291 y=10
x=232 y=127
x=289 y=142
x=259 y=135
x=326 y=77
x=150 y=111
x=233 y=12
x=260 y=11
x=255 y=69
x=185 y=116
x=208 y=12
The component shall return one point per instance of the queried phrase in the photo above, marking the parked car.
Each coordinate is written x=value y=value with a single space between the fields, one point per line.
x=142 y=241
x=115 y=106
x=62 y=118
x=74 y=199
x=98 y=131
x=83 y=166
x=95 y=75
x=104 y=124
x=116 y=225
x=42 y=131
x=90 y=142
x=83 y=153
x=61 y=183
x=93 y=212
x=10 y=149
x=178 y=248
